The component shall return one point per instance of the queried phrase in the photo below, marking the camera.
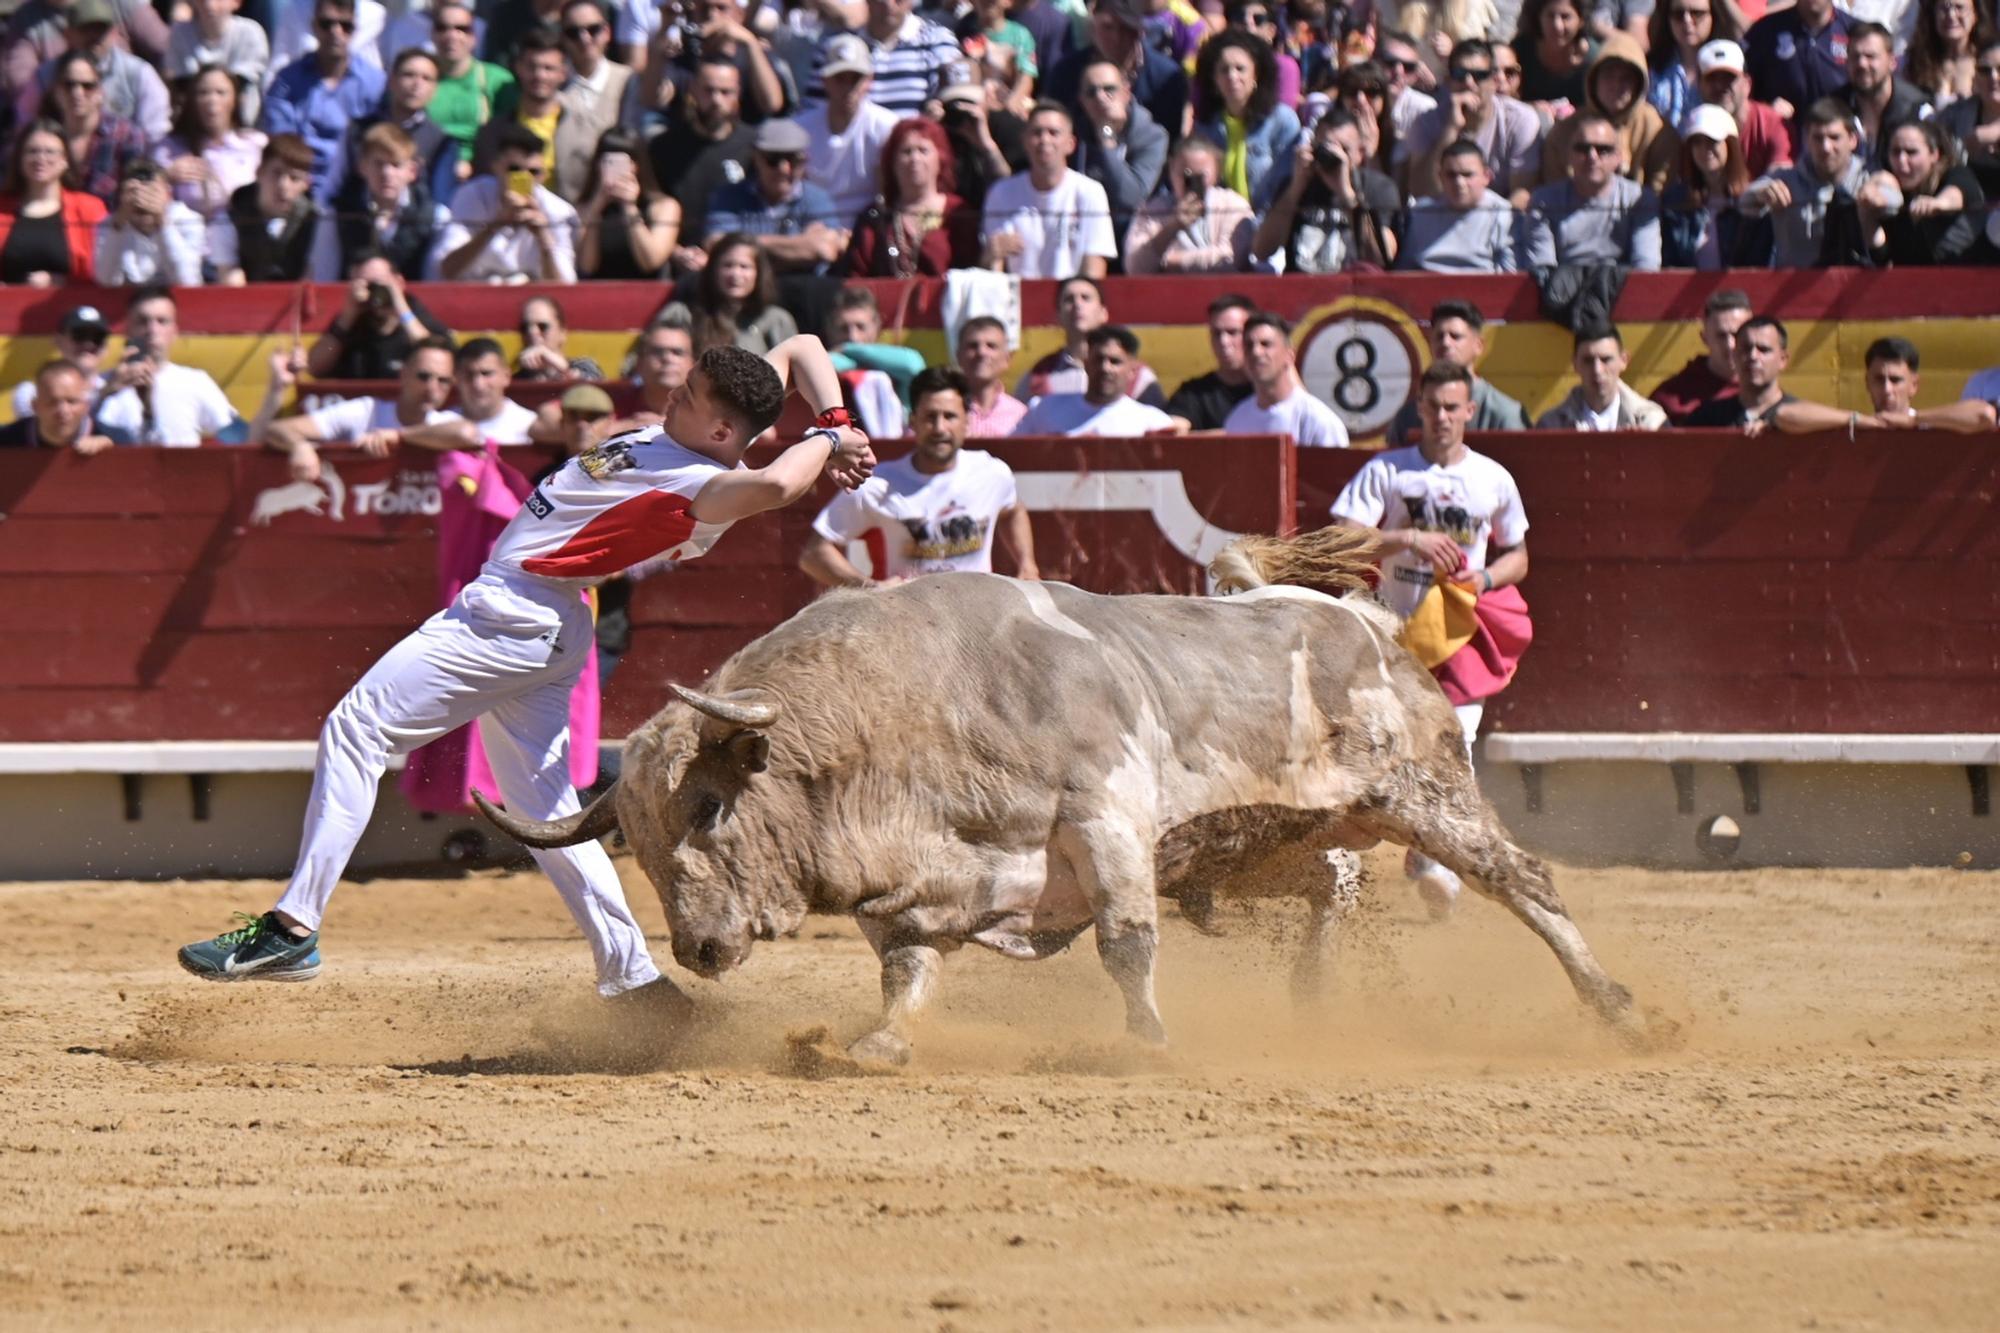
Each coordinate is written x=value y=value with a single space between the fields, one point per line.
x=379 y=297
x=1327 y=157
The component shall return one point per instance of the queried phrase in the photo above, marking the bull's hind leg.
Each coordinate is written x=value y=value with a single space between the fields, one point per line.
x=1114 y=865
x=911 y=968
x=1332 y=894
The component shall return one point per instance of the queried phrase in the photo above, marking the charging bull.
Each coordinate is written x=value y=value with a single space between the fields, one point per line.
x=973 y=759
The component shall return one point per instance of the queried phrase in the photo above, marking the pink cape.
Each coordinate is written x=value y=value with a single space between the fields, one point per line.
x=1485 y=665
x=481 y=494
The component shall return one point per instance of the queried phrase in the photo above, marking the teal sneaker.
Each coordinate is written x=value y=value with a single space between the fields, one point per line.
x=259 y=949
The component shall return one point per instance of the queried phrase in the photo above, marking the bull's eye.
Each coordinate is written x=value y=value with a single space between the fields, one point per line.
x=706 y=810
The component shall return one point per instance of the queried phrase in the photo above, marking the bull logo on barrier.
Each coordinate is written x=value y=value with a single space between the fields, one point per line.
x=325 y=498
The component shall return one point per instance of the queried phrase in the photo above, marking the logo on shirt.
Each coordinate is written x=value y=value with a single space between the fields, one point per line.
x=607 y=459
x=1787 y=48
x=952 y=535
x=538 y=504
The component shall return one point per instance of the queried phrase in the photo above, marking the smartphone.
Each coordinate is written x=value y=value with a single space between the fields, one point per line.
x=613 y=163
x=521 y=183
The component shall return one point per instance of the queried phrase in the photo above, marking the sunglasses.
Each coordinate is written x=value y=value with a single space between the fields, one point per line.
x=1468 y=74
x=1259 y=21
x=80 y=85
x=584 y=416
x=451 y=27
x=1594 y=149
x=89 y=342
x=1407 y=66
x=335 y=25
x=578 y=31
x=782 y=159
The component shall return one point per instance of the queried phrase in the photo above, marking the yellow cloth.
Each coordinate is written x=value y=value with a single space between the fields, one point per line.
x=1235 y=158
x=545 y=129
x=1442 y=624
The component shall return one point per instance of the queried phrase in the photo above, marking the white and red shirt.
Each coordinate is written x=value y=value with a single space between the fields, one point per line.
x=609 y=508
x=924 y=522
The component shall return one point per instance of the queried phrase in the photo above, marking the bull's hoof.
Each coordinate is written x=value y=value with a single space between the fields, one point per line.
x=880 y=1050
x=1148 y=1031
x=1649 y=1033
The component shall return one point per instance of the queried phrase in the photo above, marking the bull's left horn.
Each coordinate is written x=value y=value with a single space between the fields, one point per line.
x=737 y=706
x=586 y=825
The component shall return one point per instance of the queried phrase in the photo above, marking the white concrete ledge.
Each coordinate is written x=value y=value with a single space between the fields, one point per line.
x=1678 y=747
x=160 y=757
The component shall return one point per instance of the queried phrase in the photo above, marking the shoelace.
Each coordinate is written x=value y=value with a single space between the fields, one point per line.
x=244 y=933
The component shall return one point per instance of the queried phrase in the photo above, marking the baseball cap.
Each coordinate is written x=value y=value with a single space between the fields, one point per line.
x=959 y=81
x=587 y=400
x=86 y=320
x=86 y=12
x=1719 y=54
x=781 y=137
x=1708 y=121
x=1127 y=12
x=847 y=54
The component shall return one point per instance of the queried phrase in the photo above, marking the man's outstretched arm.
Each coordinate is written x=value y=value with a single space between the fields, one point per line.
x=803 y=364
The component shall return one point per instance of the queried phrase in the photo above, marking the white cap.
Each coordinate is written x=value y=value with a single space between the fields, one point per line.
x=847 y=54
x=1708 y=121
x=1719 y=54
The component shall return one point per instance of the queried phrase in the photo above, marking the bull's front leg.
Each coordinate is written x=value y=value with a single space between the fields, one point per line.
x=911 y=967
x=1114 y=864
x=1332 y=893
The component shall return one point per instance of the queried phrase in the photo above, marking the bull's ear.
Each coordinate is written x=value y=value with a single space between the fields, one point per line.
x=752 y=749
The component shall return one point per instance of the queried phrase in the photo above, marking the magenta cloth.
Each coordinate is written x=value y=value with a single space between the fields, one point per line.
x=481 y=493
x=1485 y=665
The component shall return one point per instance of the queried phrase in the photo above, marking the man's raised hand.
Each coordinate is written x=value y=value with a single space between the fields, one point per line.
x=852 y=460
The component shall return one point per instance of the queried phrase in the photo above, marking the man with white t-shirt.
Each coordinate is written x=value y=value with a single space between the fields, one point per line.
x=1051 y=221
x=152 y=399
x=483 y=380
x=1444 y=512
x=1106 y=406
x=415 y=415
x=1278 y=403
x=846 y=132
x=935 y=511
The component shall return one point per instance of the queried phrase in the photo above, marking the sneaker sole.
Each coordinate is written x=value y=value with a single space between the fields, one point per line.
x=268 y=974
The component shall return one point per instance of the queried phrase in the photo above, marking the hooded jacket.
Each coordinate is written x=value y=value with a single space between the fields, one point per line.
x=1651 y=145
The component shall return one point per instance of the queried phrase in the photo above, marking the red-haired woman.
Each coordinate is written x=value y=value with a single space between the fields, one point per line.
x=917 y=226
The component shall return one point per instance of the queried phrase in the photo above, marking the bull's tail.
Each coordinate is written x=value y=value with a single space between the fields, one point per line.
x=1332 y=558
x=586 y=825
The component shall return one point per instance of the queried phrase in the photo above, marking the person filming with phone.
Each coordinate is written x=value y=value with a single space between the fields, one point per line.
x=1194 y=225
x=506 y=226
x=1336 y=212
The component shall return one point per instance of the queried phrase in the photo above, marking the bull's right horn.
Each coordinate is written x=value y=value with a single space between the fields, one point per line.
x=738 y=706
x=586 y=825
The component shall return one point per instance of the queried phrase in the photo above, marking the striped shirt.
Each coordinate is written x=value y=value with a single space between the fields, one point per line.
x=906 y=71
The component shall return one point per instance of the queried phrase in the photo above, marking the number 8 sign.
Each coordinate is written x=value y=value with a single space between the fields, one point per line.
x=1360 y=357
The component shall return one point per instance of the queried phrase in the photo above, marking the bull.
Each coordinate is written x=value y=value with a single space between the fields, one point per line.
x=975 y=759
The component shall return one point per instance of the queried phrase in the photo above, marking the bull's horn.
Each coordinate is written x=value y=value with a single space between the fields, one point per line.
x=737 y=706
x=586 y=825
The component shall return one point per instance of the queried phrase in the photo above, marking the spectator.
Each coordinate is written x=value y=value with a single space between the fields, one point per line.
x=1106 y=405
x=507 y=25
x=1596 y=215
x=1119 y=145
x=98 y=144
x=268 y=232
x=534 y=101
x=467 y=88
x=1700 y=224
x=58 y=415
x=661 y=359
x=386 y=208
x=1465 y=228
x=1615 y=89
x=1930 y=212
x=1507 y=72
x=483 y=382
x=988 y=141
x=1766 y=139
x=150 y=398
x=1336 y=212
x=1363 y=91
x=788 y=215
x=1815 y=207
x=380 y=426
x=933 y=511
x=1879 y=99
x=1196 y=224
x=413 y=84
x=151 y=237
x=1204 y=402
x=1278 y=403
x=1053 y=29
x=1892 y=389
x=1458 y=337
x=1945 y=45
x=1117 y=29
x=986 y=24
x=1762 y=353
x=1080 y=312
x=1507 y=132
x=1796 y=56
x=846 y=132
x=906 y=50
x=294 y=34
x=1602 y=400
x=1555 y=49
x=1052 y=221
x=919 y=225
x=132 y=88
x=545 y=345
x=1397 y=57
x=702 y=150
x=372 y=335
x=1435 y=27
x=506 y=224
x=982 y=358
x=211 y=154
x=736 y=300
x=80 y=340
x=594 y=98
x=1678 y=31
x=48 y=232
x=629 y=228
x=1259 y=136
x=1711 y=376
x=319 y=95
x=875 y=374
x=37 y=31
x=718 y=30
x=1975 y=121
x=218 y=37
x=1254 y=18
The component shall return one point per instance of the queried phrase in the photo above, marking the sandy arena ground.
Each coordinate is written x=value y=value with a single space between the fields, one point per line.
x=428 y=1135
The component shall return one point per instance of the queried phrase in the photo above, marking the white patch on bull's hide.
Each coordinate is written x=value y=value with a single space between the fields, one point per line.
x=1381 y=622
x=1305 y=719
x=1044 y=607
x=1153 y=782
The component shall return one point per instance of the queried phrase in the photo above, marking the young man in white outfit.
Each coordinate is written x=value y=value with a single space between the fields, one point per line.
x=1106 y=406
x=1049 y=221
x=416 y=415
x=1278 y=403
x=510 y=647
x=1444 y=512
x=483 y=381
x=149 y=397
x=935 y=511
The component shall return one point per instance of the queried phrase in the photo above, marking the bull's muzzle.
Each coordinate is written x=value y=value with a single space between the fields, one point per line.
x=708 y=955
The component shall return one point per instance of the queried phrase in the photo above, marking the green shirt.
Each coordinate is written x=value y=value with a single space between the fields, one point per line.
x=463 y=104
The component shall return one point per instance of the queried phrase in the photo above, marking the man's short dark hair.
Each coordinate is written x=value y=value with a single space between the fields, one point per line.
x=437 y=342
x=1046 y=104
x=152 y=291
x=1892 y=349
x=744 y=385
x=1597 y=333
x=1113 y=333
x=1455 y=309
x=1462 y=148
x=1229 y=301
x=513 y=136
x=979 y=322
x=1335 y=118
x=288 y=151
x=1869 y=28
x=1756 y=322
x=1083 y=278
x=1828 y=111
x=601 y=6
x=335 y=6
x=1472 y=46
x=1725 y=299
x=409 y=53
x=1264 y=319
x=541 y=37
x=473 y=348
x=1583 y=119
x=939 y=379
x=1440 y=373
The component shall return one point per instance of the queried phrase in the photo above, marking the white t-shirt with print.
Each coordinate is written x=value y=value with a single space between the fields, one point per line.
x=509 y=425
x=1303 y=417
x=350 y=419
x=187 y=405
x=1057 y=227
x=1474 y=501
x=929 y=522
x=1073 y=414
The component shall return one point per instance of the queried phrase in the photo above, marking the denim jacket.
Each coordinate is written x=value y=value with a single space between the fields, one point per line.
x=1268 y=149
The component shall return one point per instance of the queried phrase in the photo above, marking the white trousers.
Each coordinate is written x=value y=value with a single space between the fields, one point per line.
x=505 y=652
